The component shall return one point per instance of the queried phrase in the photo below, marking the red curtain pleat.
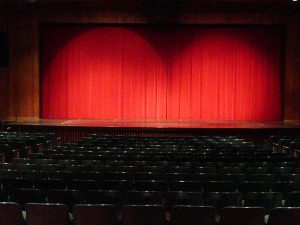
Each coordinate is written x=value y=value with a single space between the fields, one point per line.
x=161 y=73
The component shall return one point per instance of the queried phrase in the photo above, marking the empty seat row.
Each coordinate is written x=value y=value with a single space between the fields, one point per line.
x=203 y=183
x=164 y=167
x=13 y=144
x=219 y=200
x=49 y=214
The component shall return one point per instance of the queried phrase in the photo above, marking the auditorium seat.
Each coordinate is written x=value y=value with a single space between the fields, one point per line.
x=188 y=186
x=170 y=177
x=46 y=214
x=91 y=162
x=11 y=214
x=148 y=176
x=143 y=198
x=127 y=169
x=204 y=177
x=254 y=186
x=76 y=168
x=269 y=178
x=219 y=186
x=36 y=156
x=23 y=196
x=150 y=185
x=151 y=169
x=242 y=216
x=51 y=168
x=21 y=160
x=62 y=175
x=268 y=200
x=9 y=173
x=143 y=215
x=193 y=215
x=3 y=195
x=94 y=214
x=230 y=170
x=66 y=197
x=118 y=176
x=235 y=178
x=97 y=176
x=289 y=177
x=205 y=169
x=8 y=152
x=297 y=169
x=6 y=166
x=82 y=185
x=46 y=184
x=220 y=200
x=117 y=185
x=35 y=174
x=16 y=183
x=287 y=164
x=284 y=216
x=104 y=197
x=282 y=170
x=178 y=169
x=293 y=199
x=286 y=187
x=183 y=198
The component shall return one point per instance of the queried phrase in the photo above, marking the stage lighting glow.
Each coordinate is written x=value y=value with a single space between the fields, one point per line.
x=161 y=73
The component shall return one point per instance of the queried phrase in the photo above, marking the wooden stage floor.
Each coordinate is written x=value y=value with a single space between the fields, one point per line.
x=70 y=130
x=157 y=124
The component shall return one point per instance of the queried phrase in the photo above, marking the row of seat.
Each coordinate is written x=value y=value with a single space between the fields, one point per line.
x=286 y=144
x=245 y=187
x=194 y=150
x=219 y=200
x=155 y=166
x=102 y=173
x=144 y=147
x=13 y=144
x=186 y=165
x=49 y=214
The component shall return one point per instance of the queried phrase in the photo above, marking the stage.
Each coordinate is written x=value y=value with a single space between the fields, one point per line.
x=167 y=124
x=70 y=130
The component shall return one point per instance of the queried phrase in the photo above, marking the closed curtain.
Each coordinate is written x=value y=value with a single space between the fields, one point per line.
x=161 y=73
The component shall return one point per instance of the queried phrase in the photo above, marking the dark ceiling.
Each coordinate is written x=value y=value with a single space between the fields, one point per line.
x=190 y=4
x=271 y=2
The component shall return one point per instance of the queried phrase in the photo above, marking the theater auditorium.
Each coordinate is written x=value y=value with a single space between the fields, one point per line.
x=150 y=112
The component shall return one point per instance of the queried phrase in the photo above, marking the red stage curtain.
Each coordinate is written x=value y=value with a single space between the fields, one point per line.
x=161 y=73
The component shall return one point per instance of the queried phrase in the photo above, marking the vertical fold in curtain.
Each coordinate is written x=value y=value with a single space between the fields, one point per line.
x=161 y=73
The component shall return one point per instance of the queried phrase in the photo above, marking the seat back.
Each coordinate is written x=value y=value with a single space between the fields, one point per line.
x=23 y=196
x=219 y=186
x=94 y=214
x=268 y=200
x=46 y=214
x=183 y=198
x=193 y=215
x=223 y=199
x=10 y=213
x=143 y=215
x=67 y=197
x=104 y=197
x=143 y=198
x=293 y=199
x=242 y=216
x=284 y=216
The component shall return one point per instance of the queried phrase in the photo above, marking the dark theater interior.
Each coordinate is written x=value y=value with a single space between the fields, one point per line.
x=150 y=112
